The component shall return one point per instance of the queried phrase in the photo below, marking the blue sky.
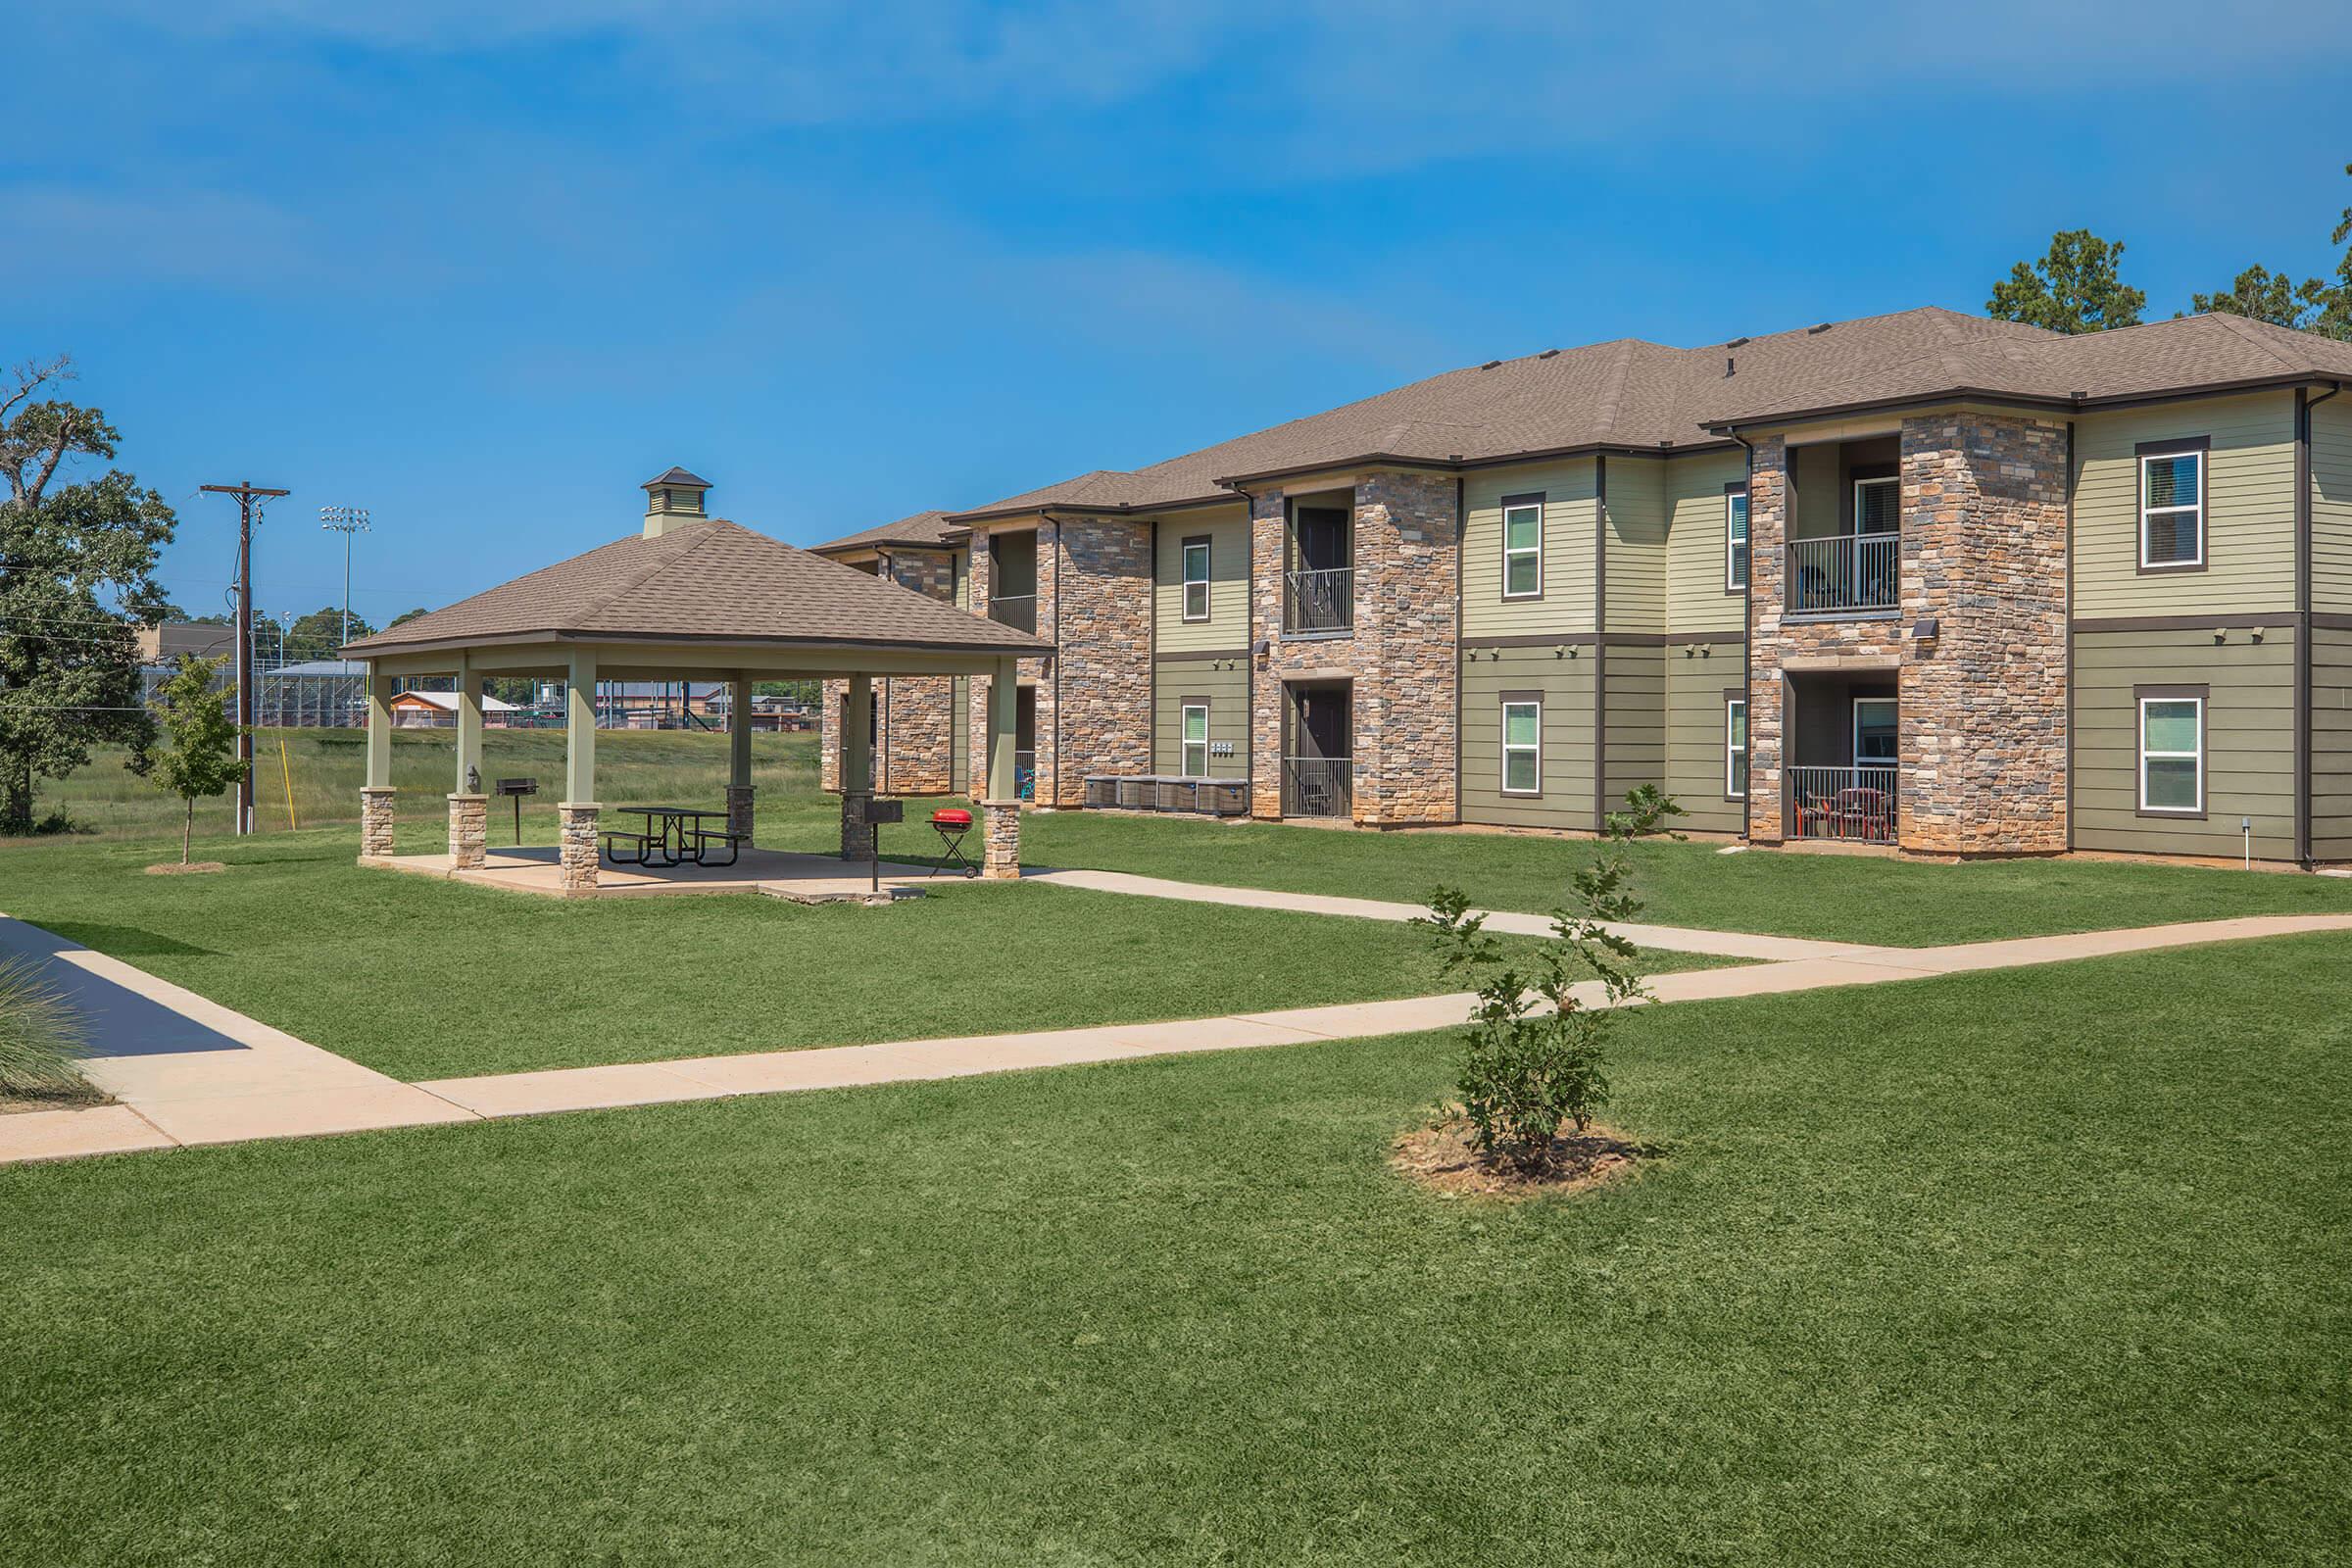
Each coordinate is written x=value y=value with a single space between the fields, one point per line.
x=485 y=268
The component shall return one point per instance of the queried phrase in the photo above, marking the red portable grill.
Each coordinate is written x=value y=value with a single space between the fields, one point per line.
x=953 y=824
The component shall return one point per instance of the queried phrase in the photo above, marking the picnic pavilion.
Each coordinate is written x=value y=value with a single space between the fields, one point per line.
x=690 y=598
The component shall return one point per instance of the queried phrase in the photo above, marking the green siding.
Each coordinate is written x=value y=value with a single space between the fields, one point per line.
x=1228 y=625
x=2332 y=743
x=2249 y=746
x=1566 y=685
x=1636 y=564
x=1696 y=600
x=1569 y=516
x=2250 y=544
x=1695 y=775
x=2332 y=505
x=1228 y=693
x=1637 y=730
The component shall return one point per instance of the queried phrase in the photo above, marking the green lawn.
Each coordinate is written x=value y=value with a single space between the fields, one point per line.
x=1837 y=897
x=422 y=978
x=2032 y=1267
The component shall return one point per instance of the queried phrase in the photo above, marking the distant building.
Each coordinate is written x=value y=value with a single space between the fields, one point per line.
x=415 y=709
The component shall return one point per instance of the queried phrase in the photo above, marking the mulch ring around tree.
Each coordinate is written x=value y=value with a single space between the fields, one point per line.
x=1440 y=1156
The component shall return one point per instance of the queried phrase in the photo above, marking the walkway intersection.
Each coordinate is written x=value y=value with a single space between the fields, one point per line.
x=184 y=1070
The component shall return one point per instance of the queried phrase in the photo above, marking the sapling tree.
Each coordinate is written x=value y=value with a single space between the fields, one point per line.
x=1535 y=1054
x=199 y=759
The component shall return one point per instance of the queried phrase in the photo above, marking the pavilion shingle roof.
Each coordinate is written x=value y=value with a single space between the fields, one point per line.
x=923 y=529
x=713 y=581
x=1634 y=395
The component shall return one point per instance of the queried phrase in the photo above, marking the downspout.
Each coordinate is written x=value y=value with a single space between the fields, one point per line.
x=1600 y=642
x=1054 y=798
x=2304 y=403
x=1747 y=628
x=1461 y=528
x=1152 y=664
x=2070 y=790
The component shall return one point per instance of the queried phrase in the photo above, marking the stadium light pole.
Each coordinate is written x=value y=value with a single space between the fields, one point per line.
x=345 y=521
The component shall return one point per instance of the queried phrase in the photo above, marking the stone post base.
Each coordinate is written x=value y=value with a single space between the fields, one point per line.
x=469 y=831
x=579 y=844
x=857 y=833
x=1000 y=838
x=739 y=810
x=376 y=821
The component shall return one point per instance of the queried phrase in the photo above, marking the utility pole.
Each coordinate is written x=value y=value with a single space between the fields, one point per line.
x=345 y=521
x=246 y=493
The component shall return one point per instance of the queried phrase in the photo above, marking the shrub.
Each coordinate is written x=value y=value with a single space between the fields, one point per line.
x=41 y=1038
x=1534 y=1055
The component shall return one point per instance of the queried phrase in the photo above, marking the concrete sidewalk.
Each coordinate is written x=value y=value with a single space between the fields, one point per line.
x=267 y=1084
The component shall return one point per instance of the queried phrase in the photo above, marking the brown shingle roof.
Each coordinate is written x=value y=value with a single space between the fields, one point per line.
x=717 y=581
x=1637 y=395
x=923 y=529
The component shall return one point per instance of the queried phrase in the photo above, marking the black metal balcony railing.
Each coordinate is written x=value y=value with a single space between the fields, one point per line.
x=1844 y=571
x=1320 y=601
x=1854 y=803
x=1017 y=610
x=1024 y=776
x=1318 y=786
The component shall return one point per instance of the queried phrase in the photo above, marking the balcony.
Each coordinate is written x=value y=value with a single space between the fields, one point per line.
x=1017 y=610
x=1849 y=805
x=1845 y=573
x=1319 y=602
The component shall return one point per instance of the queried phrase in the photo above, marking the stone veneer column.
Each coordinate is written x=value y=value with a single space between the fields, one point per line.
x=579 y=854
x=739 y=809
x=1767 y=727
x=377 y=820
x=829 y=699
x=1093 y=711
x=469 y=831
x=1000 y=839
x=1983 y=708
x=1399 y=657
x=857 y=832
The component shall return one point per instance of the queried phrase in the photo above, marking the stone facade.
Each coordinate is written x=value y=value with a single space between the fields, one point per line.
x=1981 y=705
x=1000 y=839
x=914 y=742
x=1399 y=657
x=469 y=831
x=579 y=852
x=377 y=820
x=1093 y=698
x=739 y=809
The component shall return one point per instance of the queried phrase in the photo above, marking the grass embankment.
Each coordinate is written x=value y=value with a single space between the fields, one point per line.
x=422 y=978
x=2013 y=1268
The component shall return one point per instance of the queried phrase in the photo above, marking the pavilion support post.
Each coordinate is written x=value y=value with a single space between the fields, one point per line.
x=376 y=796
x=857 y=770
x=1000 y=806
x=578 y=809
x=739 y=755
x=469 y=807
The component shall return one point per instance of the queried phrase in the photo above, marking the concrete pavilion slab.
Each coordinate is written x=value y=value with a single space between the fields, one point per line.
x=776 y=873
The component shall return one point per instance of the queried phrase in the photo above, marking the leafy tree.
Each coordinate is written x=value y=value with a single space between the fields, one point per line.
x=201 y=760
x=405 y=616
x=76 y=580
x=1535 y=1055
x=2262 y=295
x=320 y=634
x=2335 y=319
x=2075 y=289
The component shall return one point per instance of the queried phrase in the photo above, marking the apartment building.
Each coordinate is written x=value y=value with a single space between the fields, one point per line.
x=1953 y=585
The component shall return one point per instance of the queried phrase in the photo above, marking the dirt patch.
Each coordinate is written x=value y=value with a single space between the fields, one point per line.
x=1441 y=1158
x=78 y=1098
x=174 y=868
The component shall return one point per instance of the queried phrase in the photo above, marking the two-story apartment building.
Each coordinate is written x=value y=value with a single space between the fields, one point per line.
x=1954 y=585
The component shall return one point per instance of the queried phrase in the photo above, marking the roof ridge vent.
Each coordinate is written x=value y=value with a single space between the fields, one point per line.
x=1548 y=353
x=1489 y=365
x=1738 y=342
x=1816 y=331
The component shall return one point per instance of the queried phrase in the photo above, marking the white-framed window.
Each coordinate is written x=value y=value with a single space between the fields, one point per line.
x=1195 y=579
x=2172 y=754
x=1878 y=505
x=1877 y=732
x=1735 y=538
x=1523 y=547
x=1735 y=748
x=2172 y=508
x=1522 y=746
x=1196 y=740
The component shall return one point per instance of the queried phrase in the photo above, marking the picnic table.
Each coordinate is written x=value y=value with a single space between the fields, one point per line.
x=667 y=828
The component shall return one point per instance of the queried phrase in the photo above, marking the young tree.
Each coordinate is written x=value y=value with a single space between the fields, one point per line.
x=2075 y=289
x=200 y=760
x=76 y=580
x=1534 y=1055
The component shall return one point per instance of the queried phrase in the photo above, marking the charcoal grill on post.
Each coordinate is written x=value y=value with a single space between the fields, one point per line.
x=518 y=788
